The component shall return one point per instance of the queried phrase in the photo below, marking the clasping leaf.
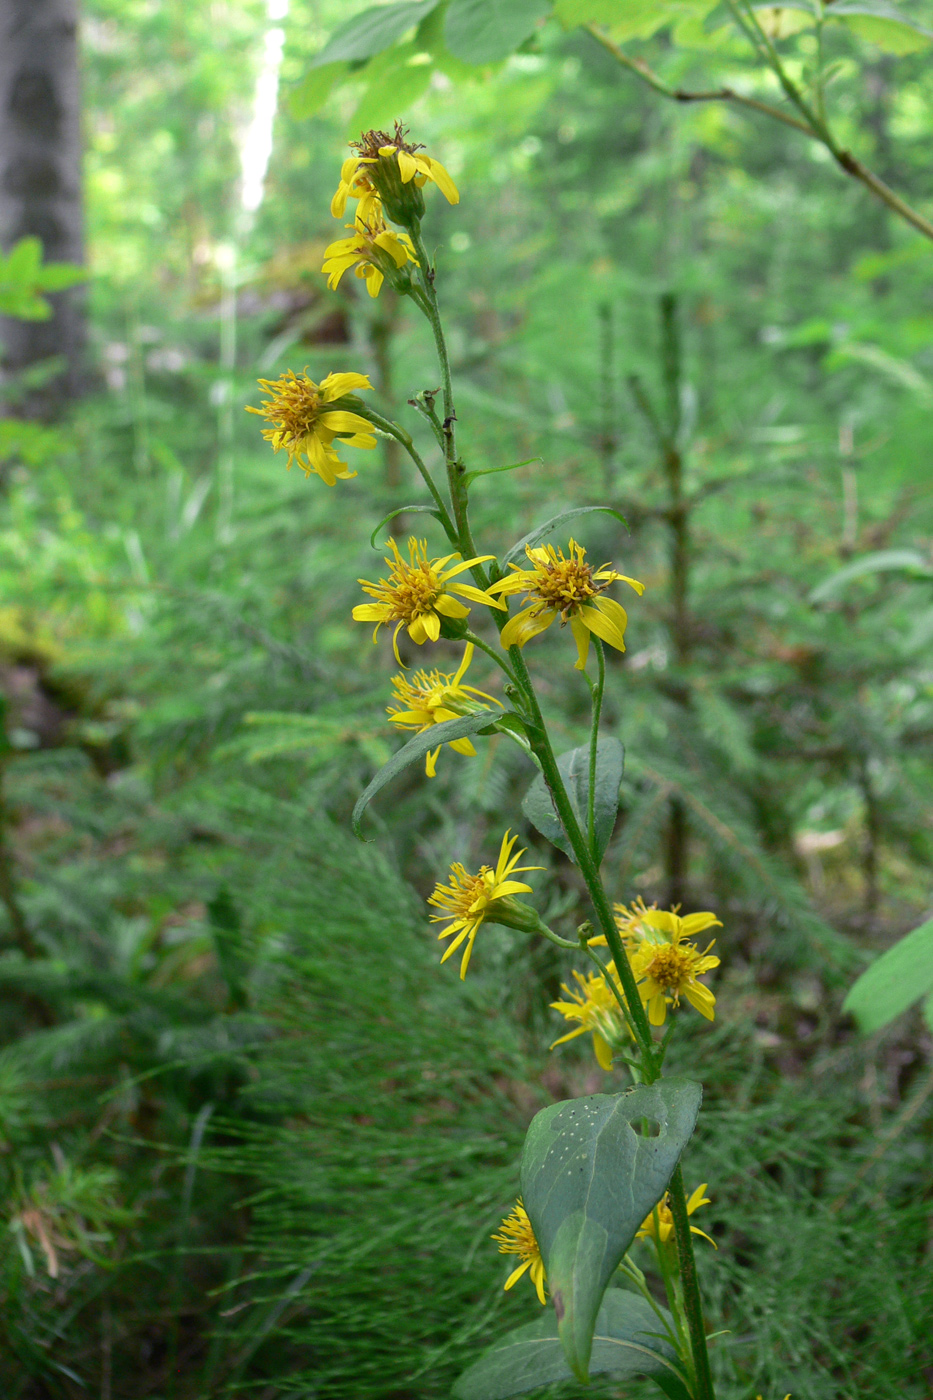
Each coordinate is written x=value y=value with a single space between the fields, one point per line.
x=589 y=1179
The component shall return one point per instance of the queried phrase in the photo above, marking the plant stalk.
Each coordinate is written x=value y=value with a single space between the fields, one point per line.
x=688 y=1277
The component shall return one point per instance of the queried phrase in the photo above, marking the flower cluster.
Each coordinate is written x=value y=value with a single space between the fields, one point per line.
x=306 y=419
x=470 y=900
x=516 y=1236
x=431 y=697
x=666 y=965
x=598 y=1008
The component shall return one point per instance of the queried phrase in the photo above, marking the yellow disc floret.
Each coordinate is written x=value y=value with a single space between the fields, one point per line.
x=306 y=418
x=418 y=593
x=565 y=586
x=468 y=900
x=666 y=965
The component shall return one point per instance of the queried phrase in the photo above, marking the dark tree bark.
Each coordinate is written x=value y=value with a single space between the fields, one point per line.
x=40 y=182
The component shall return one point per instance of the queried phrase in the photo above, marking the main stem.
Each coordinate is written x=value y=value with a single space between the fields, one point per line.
x=688 y=1277
x=541 y=745
x=594 y=745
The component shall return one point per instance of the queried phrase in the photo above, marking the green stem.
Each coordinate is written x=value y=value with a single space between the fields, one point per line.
x=611 y=984
x=386 y=425
x=456 y=474
x=503 y=665
x=555 y=938
x=597 y=693
x=688 y=1277
x=541 y=746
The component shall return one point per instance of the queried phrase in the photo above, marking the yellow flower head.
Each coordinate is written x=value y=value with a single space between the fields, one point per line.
x=418 y=593
x=660 y=1223
x=373 y=249
x=394 y=170
x=468 y=900
x=665 y=965
x=597 y=1010
x=307 y=417
x=517 y=1237
x=568 y=588
x=430 y=697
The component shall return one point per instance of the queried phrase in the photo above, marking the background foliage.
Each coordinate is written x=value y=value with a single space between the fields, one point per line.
x=253 y=1140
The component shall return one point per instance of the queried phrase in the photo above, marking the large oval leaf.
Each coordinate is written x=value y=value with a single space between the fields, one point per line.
x=484 y=31
x=417 y=747
x=574 y=767
x=625 y=1343
x=589 y=1179
x=536 y=535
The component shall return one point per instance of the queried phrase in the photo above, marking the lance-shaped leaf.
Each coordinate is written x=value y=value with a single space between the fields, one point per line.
x=416 y=749
x=535 y=536
x=589 y=1179
x=574 y=767
x=628 y=1341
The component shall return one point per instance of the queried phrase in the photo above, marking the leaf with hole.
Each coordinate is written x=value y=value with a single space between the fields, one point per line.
x=372 y=31
x=416 y=748
x=589 y=1179
x=485 y=31
x=626 y=1342
x=535 y=536
x=894 y=981
x=574 y=768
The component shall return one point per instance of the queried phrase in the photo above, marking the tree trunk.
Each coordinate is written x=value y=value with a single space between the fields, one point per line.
x=40 y=183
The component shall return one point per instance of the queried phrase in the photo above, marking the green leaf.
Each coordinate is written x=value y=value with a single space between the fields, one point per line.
x=394 y=83
x=625 y=1344
x=629 y=19
x=881 y=23
x=309 y=96
x=672 y=1386
x=485 y=31
x=574 y=768
x=491 y=471
x=906 y=561
x=589 y=1179
x=536 y=535
x=402 y=510
x=416 y=749
x=372 y=31
x=895 y=981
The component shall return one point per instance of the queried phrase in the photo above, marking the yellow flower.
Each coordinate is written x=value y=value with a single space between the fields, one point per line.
x=517 y=1237
x=567 y=588
x=661 y=1228
x=307 y=417
x=470 y=899
x=418 y=594
x=375 y=250
x=393 y=169
x=597 y=1010
x=666 y=967
x=431 y=697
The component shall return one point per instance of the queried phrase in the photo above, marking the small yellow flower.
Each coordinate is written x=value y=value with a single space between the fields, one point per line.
x=431 y=697
x=517 y=1237
x=567 y=588
x=385 y=165
x=666 y=967
x=307 y=417
x=662 y=1227
x=468 y=900
x=373 y=249
x=418 y=594
x=597 y=1010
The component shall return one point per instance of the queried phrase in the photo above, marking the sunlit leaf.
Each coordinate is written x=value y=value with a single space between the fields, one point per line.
x=372 y=31
x=485 y=31
x=309 y=96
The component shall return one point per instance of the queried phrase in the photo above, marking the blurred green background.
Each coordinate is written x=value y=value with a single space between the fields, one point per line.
x=253 y=1140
